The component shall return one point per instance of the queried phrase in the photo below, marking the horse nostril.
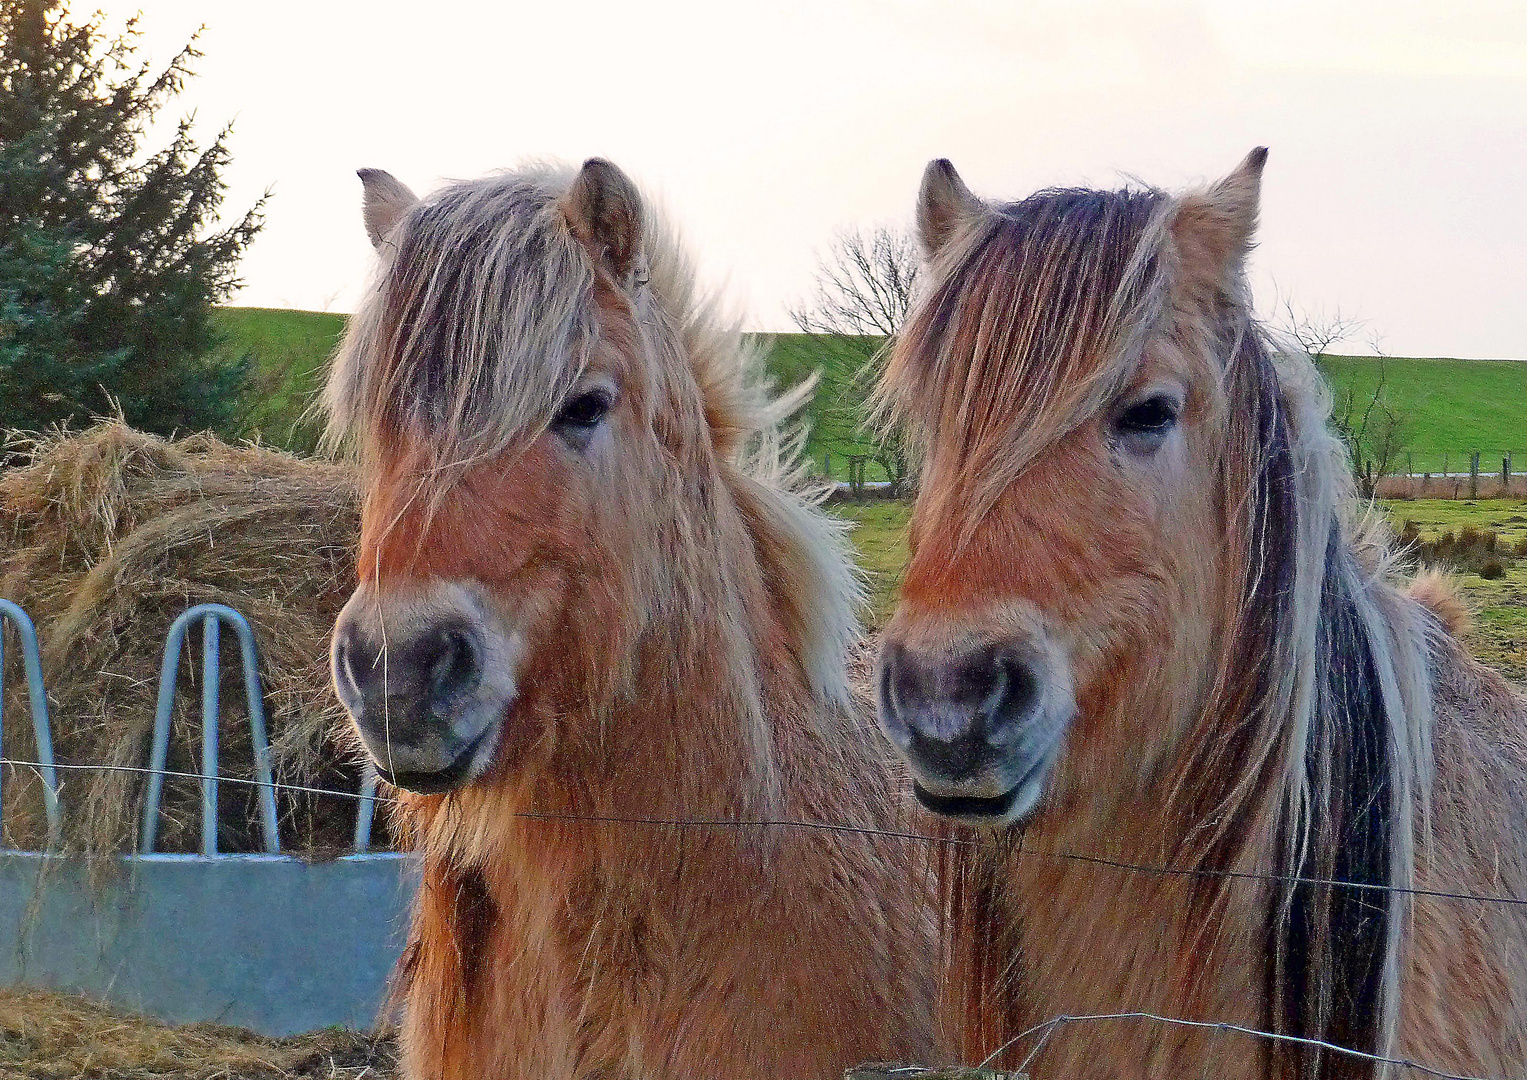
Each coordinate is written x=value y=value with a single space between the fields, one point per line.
x=1022 y=686
x=354 y=663
x=908 y=684
x=453 y=668
x=1013 y=695
x=434 y=671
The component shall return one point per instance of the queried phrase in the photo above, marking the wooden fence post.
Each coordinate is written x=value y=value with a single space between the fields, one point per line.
x=856 y=474
x=1505 y=475
x=1410 y=466
x=1474 y=475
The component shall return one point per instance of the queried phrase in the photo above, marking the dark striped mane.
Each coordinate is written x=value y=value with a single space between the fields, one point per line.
x=1329 y=947
x=1311 y=752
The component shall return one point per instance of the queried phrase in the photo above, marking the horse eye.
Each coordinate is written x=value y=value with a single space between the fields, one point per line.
x=584 y=412
x=1149 y=421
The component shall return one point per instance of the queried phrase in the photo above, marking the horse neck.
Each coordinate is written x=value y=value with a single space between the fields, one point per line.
x=715 y=700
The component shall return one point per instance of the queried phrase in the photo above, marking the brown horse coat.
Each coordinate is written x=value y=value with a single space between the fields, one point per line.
x=1204 y=663
x=572 y=470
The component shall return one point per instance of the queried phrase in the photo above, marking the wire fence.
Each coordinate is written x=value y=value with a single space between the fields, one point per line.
x=1446 y=474
x=1443 y=474
x=854 y=830
x=1450 y=462
x=1041 y=1033
x=1049 y=1027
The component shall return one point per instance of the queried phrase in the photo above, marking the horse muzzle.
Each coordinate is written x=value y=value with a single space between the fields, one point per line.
x=981 y=727
x=427 y=681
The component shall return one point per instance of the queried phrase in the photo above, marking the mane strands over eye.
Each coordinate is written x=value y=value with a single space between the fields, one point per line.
x=1034 y=327
x=478 y=327
x=477 y=323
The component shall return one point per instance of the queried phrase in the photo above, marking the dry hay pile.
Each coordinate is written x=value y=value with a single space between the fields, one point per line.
x=105 y=537
x=48 y=1035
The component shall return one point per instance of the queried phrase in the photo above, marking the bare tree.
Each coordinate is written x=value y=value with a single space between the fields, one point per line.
x=863 y=285
x=863 y=292
x=1373 y=430
x=1315 y=332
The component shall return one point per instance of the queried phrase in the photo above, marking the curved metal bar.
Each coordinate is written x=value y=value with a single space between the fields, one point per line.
x=210 y=680
x=31 y=660
x=212 y=616
x=254 y=695
x=365 y=811
x=159 y=748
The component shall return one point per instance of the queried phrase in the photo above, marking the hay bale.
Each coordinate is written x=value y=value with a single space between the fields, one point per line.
x=105 y=537
x=47 y=1035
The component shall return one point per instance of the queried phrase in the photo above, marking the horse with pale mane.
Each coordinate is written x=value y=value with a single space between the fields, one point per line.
x=1145 y=621
x=593 y=604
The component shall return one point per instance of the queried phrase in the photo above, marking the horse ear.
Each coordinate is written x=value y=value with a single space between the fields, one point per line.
x=944 y=206
x=1213 y=229
x=604 y=211
x=384 y=202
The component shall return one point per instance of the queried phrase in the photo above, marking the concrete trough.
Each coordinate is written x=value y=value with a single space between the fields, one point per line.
x=267 y=942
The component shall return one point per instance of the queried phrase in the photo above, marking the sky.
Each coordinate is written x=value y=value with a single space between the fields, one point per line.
x=1395 y=193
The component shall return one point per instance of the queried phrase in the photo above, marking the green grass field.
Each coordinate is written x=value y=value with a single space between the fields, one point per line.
x=1499 y=635
x=836 y=412
x=879 y=537
x=1448 y=407
x=289 y=350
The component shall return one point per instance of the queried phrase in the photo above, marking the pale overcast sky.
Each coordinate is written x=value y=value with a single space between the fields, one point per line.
x=1396 y=191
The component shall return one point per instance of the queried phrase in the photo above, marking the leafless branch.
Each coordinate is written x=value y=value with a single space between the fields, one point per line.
x=864 y=288
x=1316 y=331
x=1373 y=430
x=864 y=284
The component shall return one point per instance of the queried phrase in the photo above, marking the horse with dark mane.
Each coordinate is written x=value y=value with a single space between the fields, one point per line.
x=1145 y=622
x=593 y=606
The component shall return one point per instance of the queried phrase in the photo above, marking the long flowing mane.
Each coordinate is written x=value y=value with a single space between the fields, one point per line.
x=654 y=621
x=478 y=322
x=1313 y=753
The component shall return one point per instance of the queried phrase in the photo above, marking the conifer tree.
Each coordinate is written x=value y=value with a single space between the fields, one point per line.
x=111 y=258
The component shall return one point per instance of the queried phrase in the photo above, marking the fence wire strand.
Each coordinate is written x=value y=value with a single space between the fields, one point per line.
x=825 y=826
x=1044 y=1030
x=1048 y=1027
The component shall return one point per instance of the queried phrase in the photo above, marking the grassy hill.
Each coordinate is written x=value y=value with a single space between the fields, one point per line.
x=835 y=414
x=289 y=350
x=1449 y=407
